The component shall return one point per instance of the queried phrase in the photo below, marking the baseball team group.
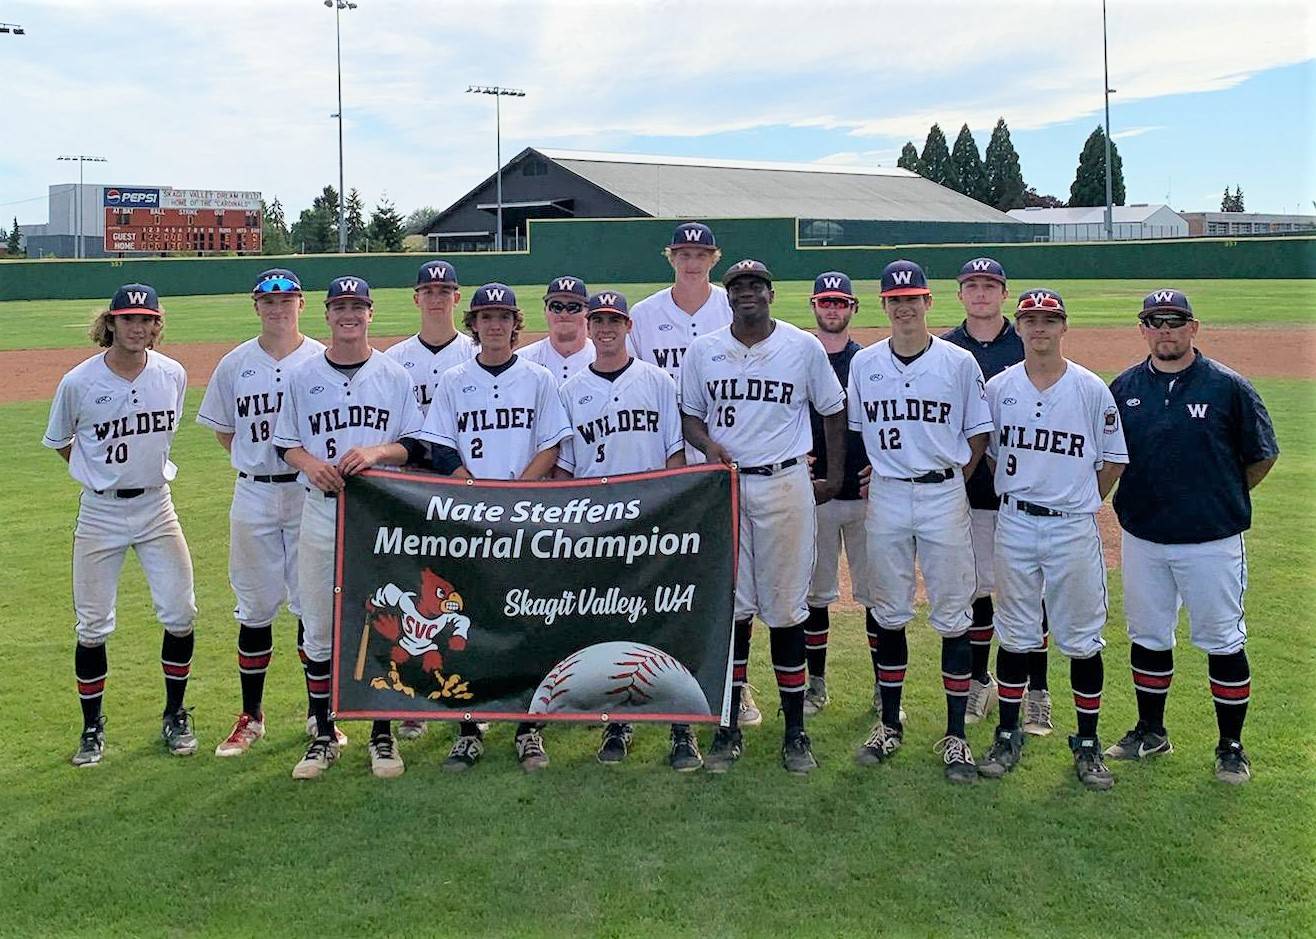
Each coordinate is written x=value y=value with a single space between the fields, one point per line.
x=979 y=458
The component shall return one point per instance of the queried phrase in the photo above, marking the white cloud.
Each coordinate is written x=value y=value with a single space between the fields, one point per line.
x=1136 y=131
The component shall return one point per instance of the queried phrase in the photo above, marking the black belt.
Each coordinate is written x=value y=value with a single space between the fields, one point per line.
x=120 y=493
x=1031 y=508
x=769 y=469
x=936 y=476
x=277 y=478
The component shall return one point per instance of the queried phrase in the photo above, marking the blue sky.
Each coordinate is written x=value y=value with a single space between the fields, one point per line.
x=236 y=94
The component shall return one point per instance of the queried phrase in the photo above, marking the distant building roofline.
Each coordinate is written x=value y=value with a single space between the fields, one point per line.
x=597 y=156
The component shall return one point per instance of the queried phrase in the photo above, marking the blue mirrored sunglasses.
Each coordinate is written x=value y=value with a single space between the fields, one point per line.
x=277 y=285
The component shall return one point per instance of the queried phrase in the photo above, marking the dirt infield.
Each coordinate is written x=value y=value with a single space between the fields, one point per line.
x=1258 y=352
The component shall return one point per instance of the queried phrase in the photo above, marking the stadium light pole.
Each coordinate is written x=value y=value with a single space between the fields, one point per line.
x=77 y=205
x=338 y=7
x=499 y=94
x=1105 y=84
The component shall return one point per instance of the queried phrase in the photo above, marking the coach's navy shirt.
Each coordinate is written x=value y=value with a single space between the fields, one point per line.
x=994 y=357
x=856 y=457
x=1191 y=435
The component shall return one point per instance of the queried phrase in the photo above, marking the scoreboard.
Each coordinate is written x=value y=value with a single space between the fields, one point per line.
x=193 y=221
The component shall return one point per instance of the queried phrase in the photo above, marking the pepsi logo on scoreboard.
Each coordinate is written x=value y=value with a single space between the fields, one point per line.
x=120 y=197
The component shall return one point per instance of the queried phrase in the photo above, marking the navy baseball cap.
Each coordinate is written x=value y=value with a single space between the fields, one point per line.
x=436 y=272
x=693 y=235
x=832 y=284
x=566 y=284
x=277 y=280
x=982 y=267
x=135 y=298
x=1040 y=299
x=1166 y=301
x=609 y=301
x=904 y=279
x=747 y=268
x=348 y=286
x=494 y=296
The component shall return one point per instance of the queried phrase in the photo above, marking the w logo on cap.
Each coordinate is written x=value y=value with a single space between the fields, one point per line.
x=495 y=294
x=348 y=286
x=743 y=265
x=137 y=296
x=564 y=284
x=438 y=272
x=832 y=283
x=693 y=234
x=1164 y=296
x=902 y=278
x=608 y=299
x=981 y=264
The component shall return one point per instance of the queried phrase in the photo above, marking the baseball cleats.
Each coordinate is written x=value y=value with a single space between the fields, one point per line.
x=1140 y=743
x=750 y=715
x=245 y=732
x=385 y=761
x=684 y=755
x=312 y=731
x=1004 y=753
x=465 y=753
x=530 y=751
x=91 y=746
x=815 y=696
x=616 y=744
x=797 y=754
x=320 y=755
x=728 y=744
x=1090 y=768
x=412 y=730
x=982 y=700
x=881 y=743
x=176 y=732
x=957 y=756
x=1231 y=763
x=1037 y=713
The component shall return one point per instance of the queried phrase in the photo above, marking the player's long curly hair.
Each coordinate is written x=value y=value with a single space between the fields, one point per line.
x=102 y=332
x=468 y=320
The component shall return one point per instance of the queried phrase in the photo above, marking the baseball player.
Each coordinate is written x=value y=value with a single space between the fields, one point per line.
x=241 y=406
x=113 y=421
x=745 y=395
x=624 y=419
x=566 y=349
x=840 y=520
x=496 y=416
x=918 y=401
x=345 y=411
x=1200 y=440
x=426 y=356
x=993 y=342
x=1058 y=448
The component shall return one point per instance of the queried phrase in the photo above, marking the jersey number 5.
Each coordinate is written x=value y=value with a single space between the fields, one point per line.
x=599 y=455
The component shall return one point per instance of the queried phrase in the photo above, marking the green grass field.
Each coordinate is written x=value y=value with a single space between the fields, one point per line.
x=52 y=324
x=149 y=845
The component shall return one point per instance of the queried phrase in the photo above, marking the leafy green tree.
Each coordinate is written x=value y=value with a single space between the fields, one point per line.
x=417 y=219
x=1005 y=180
x=908 y=157
x=274 y=236
x=316 y=229
x=1089 y=186
x=385 y=229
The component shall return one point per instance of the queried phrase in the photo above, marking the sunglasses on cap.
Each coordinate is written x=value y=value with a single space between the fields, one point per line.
x=277 y=285
x=1032 y=302
x=1164 y=320
x=834 y=303
x=571 y=306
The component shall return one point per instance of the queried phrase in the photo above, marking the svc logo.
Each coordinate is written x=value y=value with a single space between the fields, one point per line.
x=317 y=389
x=248 y=372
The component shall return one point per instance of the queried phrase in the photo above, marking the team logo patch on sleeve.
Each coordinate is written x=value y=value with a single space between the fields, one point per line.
x=1112 y=422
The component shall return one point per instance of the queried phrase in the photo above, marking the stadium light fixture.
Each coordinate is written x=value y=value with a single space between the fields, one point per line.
x=498 y=95
x=1105 y=84
x=338 y=6
x=78 y=250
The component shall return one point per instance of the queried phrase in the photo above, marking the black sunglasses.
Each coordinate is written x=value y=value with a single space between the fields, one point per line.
x=557 y=306
x=1161 y=321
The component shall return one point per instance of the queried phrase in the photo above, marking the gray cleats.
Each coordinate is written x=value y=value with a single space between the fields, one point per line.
x=176 y=732
x=1231 y=763
x=1139 y=744
x=1089 y=767
x=750 y=715
x=957 y=756
x=1003 y=755
x=797 y=754
x=881 y=743
x=728 y=745
x=815 y=696
x=982 y=700
x=91 y=746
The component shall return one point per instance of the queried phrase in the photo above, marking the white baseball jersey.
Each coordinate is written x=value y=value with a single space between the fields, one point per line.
x=496 y=422
x=661 y=331
x=628 y=425
x=561 y=367
x=121 y=430
x=426 y=367
x=755 y=400
x=917 y=418
x=244 y=397
x=1048 y=445
x=326 y=413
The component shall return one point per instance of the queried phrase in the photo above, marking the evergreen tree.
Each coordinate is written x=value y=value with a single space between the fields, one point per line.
x=356 y=221
x=1089 y=186
x=417 y=219
x=908 y=157
x=11 y=245
x=385 y=229
x=968 y=166
x=1005 y=181
x=1238 y=200
x=274 y=236
x=1227 y=201
x=934 y=163
x=316 y=229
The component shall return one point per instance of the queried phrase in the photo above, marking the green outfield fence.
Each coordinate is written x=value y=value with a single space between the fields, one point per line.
x=606 y=251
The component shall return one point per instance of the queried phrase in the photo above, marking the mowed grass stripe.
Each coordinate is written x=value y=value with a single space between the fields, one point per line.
x=54 y=324
x=148 y=844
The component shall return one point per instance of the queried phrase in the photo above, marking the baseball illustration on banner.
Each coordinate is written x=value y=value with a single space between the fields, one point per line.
x=620 y=678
